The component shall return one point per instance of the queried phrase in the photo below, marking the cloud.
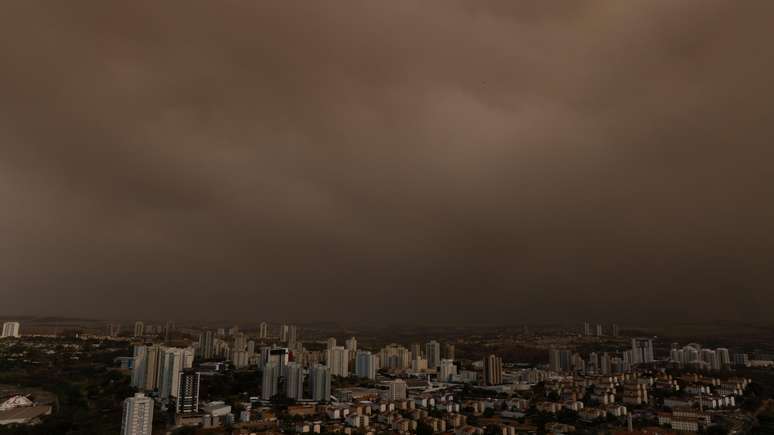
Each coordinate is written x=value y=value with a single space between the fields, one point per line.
x=401 y=161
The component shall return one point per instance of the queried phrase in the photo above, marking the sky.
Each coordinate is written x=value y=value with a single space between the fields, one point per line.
x=387 y=162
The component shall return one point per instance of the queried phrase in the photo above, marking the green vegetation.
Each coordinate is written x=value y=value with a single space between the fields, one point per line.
x=89 y=391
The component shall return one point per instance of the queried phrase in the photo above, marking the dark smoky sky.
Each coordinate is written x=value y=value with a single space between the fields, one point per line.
x=402 y=161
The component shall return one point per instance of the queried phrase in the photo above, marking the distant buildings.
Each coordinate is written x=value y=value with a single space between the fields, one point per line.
x=206 y=345
x=294 y=381
x=263 y=330
x=270 y=380
x=493 y=370
x=433 y=354
x=447 y=370
x=560 y=360
x=138 y=415
x=338 y=361
x=449 y=351
x=10 y=329
x=139 y=328
x=320 y=383
x=365 y=364
x=396 y=390
x=642 y=350
x=351 y=345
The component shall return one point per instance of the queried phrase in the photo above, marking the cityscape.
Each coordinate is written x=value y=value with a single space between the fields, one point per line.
x=287 y=378
x=395 y=217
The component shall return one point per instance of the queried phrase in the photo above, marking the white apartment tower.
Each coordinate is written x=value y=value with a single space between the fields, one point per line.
x=10 y=329
x=138 y=415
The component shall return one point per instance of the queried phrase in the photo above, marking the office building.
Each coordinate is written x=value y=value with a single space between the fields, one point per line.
x=138 y=415
x=616 y=330
x=586 y=329
x=263 y=330
x=599 y=330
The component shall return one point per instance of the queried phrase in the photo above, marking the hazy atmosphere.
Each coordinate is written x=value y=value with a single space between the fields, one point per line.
x=378 y=161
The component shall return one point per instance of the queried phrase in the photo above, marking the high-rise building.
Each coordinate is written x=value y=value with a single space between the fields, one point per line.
x=138 y=415
x=331 y=343
x=139 y=328
x=188 y=393
x=449 y=351
x=447 y=370
x=284 y=333
x=416 y=351
x=138 y=367
x=292 y=336
x=493 y=370
x=396 y=390
x=365 y=365
x=642 y=350
x=433 y=354
x=338 y=361
x=616 y=330
x=280 y=357
x=263 y=330
x=174 y=360
x=724 y=357
x=295 y=381
x=586 y=329
x=320 y=383
x=394 y=356
x=599 y=330
x=560 y=360
x=351 y=345
x=153 y=355
x=605 y=367
x=270 y=380
x=207 y=345
x=113 y=329
x=10 y=329
x=240 y=341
